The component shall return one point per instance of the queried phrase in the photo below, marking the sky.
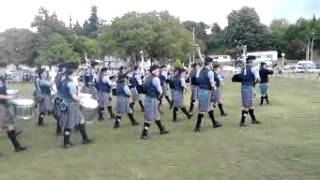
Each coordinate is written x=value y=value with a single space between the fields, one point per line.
x=20 y=13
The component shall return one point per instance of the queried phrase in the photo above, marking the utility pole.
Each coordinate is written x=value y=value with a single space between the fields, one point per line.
x=193 y=45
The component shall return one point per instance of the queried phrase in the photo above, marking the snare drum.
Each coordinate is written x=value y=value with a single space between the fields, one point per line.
x=88 y=107
x=13 y=92
x=23 y=108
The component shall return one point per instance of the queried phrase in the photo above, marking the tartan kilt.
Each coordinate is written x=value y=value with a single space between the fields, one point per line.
x=263 y=89
x=177 y=99
x=246 y=96
x=216 y=95
x=135 y=94
x=194 y=92
x=151 y=108
x=90 y=90
x=6 y=117
x=104 y=98
x=204 y=100
x=72 y=116
x=45 y=104
x=123 y=105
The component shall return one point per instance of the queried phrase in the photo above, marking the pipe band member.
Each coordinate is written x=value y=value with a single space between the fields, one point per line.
x=194 y=86
x=45 y=101
x=90 y=78
x=104 y=85
x=264 y=73
x=6 y=117
x=58 y=97
x=36 y=92
x=123 y=102
x=249 y=77
x=136 y=89
x=179 y=84
x=206 y=86
x=153 y=91
x=71 y=115
x=164 y=80
x=216 y=95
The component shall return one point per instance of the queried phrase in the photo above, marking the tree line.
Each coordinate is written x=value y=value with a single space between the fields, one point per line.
x=159 y=35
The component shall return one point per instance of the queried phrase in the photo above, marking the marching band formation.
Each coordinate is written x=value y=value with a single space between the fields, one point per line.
x=73 y=104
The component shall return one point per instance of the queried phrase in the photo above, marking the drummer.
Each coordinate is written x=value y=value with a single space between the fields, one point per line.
x=179 y=84
x=216 y=94
x=90 y=79
x=123 y=102
x=136 y=82
x=36 y=92
x=164 y=79
x=194 y=86
x=153 y=92
x=206 y=86
x=58 y=97
x=104 y=85
x=71 y=115
x=45 y=102
x=6 y=117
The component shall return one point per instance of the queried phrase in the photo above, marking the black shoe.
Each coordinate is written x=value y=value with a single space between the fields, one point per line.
x=256 y=122
x=217 y=124
x=116 y=125
x=59 y=133
x=41 y=125
x=175 y=120
x=101 y=118
x=196 y=130
x=144 y=135
x=20 y=148
x=87 y=141
x=164 y=132
x=242 y=125
x=66 y=146
x=135 y=124
x=224 y=114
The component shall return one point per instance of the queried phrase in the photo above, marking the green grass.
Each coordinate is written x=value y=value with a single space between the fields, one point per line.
x=285 y=146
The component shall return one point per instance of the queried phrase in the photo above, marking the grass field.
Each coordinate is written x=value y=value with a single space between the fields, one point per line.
x=285 y=146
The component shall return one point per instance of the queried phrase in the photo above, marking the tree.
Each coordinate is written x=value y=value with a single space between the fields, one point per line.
x=279 y=25
x=244 y=28
x=87 y=48
x=47 y=23
x=216 y=29
x=78 y=29
x=54 y=47
x=92 y=25
x=215 y=41
x=158 y=34
x=16 y=45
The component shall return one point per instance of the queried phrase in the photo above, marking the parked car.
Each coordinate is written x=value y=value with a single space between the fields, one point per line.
x=18 y=75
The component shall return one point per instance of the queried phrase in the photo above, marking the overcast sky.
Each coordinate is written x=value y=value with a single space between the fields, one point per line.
x=20 y=13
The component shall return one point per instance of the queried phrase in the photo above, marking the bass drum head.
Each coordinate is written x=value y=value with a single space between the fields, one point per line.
x=23 y=102
x=88 y=108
